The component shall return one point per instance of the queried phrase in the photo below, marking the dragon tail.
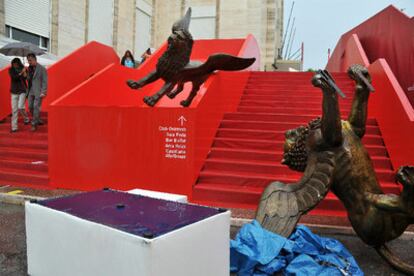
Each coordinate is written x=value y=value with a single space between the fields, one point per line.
x=394 y=261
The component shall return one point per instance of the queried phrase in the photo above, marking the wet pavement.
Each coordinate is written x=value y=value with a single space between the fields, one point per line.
x=13 y=245
x=12 y=240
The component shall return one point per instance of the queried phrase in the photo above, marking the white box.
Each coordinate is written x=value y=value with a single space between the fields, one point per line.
x=60 y=243
x=159 y=195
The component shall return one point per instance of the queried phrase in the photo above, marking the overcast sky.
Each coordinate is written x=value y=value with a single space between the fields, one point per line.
x=320 y=23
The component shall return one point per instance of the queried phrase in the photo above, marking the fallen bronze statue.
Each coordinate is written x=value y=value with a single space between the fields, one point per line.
x=175 y=67
x=330 y=153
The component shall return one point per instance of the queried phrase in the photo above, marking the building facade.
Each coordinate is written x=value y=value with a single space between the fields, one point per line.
x=60 y=26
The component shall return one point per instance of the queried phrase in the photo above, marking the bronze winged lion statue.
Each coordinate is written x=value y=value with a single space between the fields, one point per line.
x=175 y=67
x=330 y=153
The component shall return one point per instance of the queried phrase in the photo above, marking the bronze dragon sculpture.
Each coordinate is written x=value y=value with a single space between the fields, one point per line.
x=330 y=153
x=175 y=67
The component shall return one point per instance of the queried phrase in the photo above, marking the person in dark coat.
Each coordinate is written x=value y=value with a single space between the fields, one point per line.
x=37 y=86
x=18 y=89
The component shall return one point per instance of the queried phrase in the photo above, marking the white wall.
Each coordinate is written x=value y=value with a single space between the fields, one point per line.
x=203 y=22
x=100 y=21
x=142 y=28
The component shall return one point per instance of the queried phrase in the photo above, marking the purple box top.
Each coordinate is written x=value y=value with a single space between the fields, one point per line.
x=142 y=216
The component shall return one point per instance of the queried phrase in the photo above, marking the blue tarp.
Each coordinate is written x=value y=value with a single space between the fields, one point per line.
x=256 y=251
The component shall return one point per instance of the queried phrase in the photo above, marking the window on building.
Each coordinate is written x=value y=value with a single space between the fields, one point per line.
x=28 y=20
x=20 y=35
x=203 y=22
x=142 y=27
x=100 y=21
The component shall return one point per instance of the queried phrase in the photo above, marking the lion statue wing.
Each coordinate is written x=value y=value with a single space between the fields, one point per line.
x=282 y=205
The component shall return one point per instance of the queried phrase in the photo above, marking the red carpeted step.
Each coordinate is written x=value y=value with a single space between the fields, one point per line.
x=246 y=166
x=27 y=165
x=316 y=111
x=24 y=177
x=262 y=144
x=382 y=165
x=32 y=154
x=283 y=97
x=251 y=134
x=23 y=143
x=247 y=197
x=305 y=87
x=245 y=154
x=23 y=134
x=250 y=195
x=5 y=128
x=281 y=125
x=247 y=143
x=289 y=103
x=244 y=178
x=276 y=117
x=380 y=162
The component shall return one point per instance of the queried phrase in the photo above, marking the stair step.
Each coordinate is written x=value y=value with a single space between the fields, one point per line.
x=262 y=144
x=35 y=166
x=253 y=166
x=311 y=92
x=278 y=76
x=24 y=177
x=23 y=128
x=286 y=96
x=302 y=81
x=25 y=184
x=274 y=117
x=23 y=143
x=243 y=179
x=286 y=103
x=247 y=178
x=278 y=135
x=380 y=161
x=281 y=126
x=316 y=111
x=24 y=134
x=245 y=154
x=32 y=154
x=384 y=173
x=345 y=87
x=265 y=161
x=247 y=197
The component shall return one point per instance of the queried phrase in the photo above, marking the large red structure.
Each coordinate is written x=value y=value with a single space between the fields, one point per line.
x=387 y=35
x=381 y=44
x=113 y=139
x=227 y=145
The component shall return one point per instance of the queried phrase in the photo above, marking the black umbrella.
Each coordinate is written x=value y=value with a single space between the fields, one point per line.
x=21 y=49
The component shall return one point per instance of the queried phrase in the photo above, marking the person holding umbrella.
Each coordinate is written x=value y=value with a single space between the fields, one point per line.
x=18 y=90
x=36 y=76
x=37 y=86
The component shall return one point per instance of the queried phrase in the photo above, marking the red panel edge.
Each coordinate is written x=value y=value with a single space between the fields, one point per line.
x=394 y=114
x=349 y=51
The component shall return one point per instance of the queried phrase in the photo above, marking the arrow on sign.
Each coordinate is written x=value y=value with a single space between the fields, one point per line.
x=182 y=119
